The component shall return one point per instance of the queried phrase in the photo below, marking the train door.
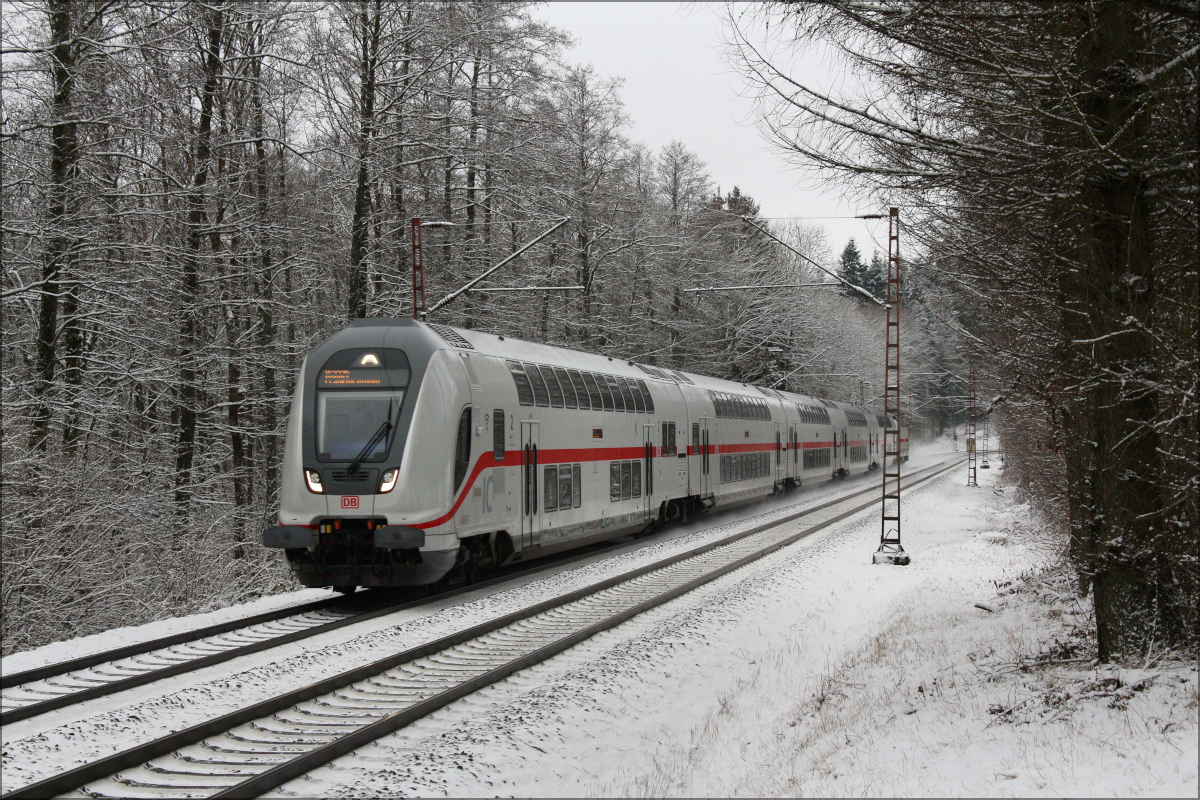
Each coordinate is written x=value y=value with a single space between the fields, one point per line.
x=531 y=529
x=793 y=454
x=648 y=469
x=778 y=467
x=837 y=454
x=705 y=458
x=667 y=472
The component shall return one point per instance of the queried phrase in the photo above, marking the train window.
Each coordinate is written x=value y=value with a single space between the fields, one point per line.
x=540 y=395
x=637 y=478
x=589 y=381
x=633 y=397
x=613 y=387
x=724 y=469
x=556 y=392
x=462 y=448
x=718 y=404
x=671 y=439
x=550 y=487
x=524 y=388
x=778 y=448
x=626 y=480
x=722 y=406
x=614 y=481
x=646 y=398
x=576 y=485
x=581 y=391
x=605 y=392
x=628 y=394
x=695 y=438
x=498 y=435
x=743 y=408
x=566 y=493
x=564 y=380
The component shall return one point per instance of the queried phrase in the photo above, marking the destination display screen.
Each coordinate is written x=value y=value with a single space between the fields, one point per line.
x=366 y=368
x=351 y=378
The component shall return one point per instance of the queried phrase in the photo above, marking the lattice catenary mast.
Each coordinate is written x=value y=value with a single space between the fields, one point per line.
x=890 y=551
x=971 y=428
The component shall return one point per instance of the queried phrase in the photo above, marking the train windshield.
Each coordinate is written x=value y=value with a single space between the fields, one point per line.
x=347 y=421
x=359 y=397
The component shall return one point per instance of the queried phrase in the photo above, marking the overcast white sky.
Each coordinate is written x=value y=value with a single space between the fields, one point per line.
x=677 y=85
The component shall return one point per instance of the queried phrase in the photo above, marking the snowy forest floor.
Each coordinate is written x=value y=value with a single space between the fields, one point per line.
x=808 y=673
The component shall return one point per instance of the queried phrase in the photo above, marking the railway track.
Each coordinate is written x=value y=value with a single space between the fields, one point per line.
x=27 y=694
x=36 y=691
x=260 y=747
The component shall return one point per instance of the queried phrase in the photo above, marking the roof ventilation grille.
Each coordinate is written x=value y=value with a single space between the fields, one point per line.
x=450 y=335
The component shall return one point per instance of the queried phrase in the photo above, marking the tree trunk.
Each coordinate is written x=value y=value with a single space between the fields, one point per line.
x=359 y=231
x=189 y=344
x=60 y=246
x=266 y=278
x=1123 y=504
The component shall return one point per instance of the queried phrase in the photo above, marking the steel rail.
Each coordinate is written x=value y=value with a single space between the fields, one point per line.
x=107 y=766
x=10 y=680
x=192 y=664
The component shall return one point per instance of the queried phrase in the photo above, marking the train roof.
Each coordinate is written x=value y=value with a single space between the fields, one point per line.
x=507 y=347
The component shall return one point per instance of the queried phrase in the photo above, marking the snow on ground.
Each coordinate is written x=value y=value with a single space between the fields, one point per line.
x=810 y=672
x=49 y=743
x=813 y=672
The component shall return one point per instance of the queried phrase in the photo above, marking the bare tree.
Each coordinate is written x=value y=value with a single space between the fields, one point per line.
x=1046 y=158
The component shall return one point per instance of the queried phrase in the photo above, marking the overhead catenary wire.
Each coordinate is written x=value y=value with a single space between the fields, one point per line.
x=470 y=284
x=833 y=275
x=762 y=286
x=528 y=289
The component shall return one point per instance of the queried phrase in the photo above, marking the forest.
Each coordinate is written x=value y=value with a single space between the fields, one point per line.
x=1045 y=155
x=195 y=194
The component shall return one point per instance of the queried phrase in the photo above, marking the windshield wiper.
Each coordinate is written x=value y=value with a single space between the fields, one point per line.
x=374 y=440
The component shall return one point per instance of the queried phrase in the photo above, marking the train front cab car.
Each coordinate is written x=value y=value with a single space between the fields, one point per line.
x=354 y=405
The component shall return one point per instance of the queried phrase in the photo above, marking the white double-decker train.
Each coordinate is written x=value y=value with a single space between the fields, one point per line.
x=417 y=453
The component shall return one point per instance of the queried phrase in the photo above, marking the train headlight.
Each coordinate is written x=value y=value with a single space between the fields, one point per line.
x=388 y=481
x=313 y=479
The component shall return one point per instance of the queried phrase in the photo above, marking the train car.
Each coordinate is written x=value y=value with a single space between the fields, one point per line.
x=420 y=453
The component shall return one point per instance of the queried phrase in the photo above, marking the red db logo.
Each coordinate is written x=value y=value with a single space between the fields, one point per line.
x=349 y=501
